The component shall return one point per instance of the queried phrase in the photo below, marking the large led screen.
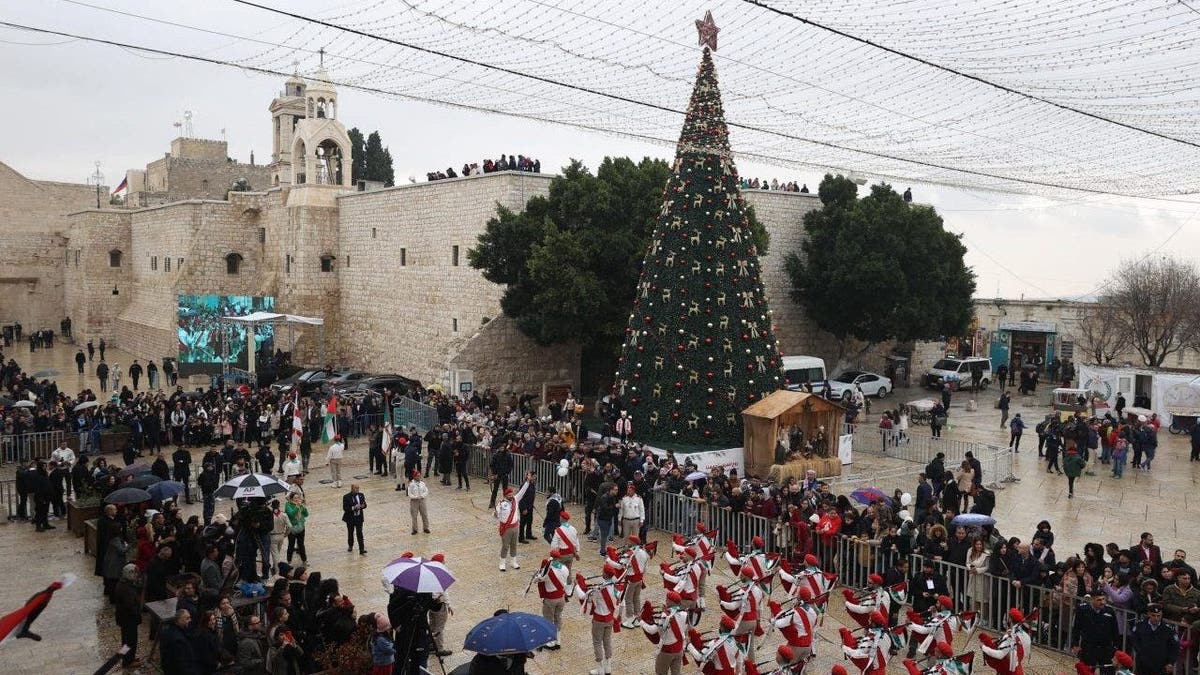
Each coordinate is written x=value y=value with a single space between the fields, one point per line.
x=199 y=330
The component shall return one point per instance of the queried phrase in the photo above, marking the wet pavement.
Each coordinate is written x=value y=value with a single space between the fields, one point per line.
x=79 y=632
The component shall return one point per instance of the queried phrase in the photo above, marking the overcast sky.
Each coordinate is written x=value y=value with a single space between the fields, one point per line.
x=69 y=104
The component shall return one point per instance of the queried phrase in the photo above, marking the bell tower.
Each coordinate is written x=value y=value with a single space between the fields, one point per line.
x=286 y=112
x=321 y=150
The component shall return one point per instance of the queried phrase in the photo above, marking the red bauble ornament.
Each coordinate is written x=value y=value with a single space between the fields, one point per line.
x=674 y=415
x=709 y=403
x=680 y=347
x=708 y=341
x=749 y=367
x=641 y=348
x=637 y=375
x=745 y=336
x=679 y=385
x=648 y=319
x=751 y=396
x=708 y=433
x=633 y=401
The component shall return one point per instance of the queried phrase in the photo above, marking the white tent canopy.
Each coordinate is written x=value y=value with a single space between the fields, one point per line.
x=262 y=317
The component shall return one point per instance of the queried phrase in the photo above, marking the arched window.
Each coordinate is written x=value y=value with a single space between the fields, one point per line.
x=233 y=263
x=327 y=263
x=114 y=258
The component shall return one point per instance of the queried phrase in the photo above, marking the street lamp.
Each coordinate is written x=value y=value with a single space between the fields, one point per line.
x=97 y=179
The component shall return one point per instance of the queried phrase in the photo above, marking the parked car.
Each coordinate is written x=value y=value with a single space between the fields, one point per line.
x=346 y=376
x=872 y=384
x=405 y=386
x=305 y=381
x=960 y=372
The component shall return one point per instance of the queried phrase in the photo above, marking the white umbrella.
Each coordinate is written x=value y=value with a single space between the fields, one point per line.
x=696 y=475
x=86 y=404
x=24 y=404
x=251 y=485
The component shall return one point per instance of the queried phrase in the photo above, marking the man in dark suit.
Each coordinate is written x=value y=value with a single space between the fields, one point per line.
x=353 y=505
x=1147 y=551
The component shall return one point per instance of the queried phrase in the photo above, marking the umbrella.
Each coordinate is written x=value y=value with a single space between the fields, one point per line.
x=24 y=404
x=870 y=495
x=510 y=633
x=973 y=519
x=133 y=470
x=143 y=481
x=418 y=575
x=127 y=496
x=251 y=485
x=696 y=475
x=167 y=489
x=45 y=373
x=86 y=404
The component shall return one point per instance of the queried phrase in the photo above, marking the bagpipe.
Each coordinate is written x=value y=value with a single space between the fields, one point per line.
x=779 y=668
x=1006 y=655
x=860 y=604
x=960 y=664
x=869 y=652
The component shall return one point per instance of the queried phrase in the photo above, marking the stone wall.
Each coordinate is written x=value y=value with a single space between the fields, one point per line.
x=90 y=278
x=501 y=357
x=33 y=220
x=411 y=318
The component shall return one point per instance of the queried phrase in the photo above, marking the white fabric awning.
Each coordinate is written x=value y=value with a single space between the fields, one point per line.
x=264 y=317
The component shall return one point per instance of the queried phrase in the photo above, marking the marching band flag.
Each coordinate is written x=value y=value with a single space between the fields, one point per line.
x=297 y=424
x=330 y=428
x=124 y=184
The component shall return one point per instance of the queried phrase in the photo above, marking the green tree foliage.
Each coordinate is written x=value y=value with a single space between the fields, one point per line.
x=358 y=147
x=878 y=268
x=378 y=161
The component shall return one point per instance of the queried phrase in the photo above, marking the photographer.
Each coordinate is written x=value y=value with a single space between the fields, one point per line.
x=408 y=613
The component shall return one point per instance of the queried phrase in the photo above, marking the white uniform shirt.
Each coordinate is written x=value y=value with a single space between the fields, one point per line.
x=335 y=451
x=632 y=506
x=65 y=456
x=417 y=489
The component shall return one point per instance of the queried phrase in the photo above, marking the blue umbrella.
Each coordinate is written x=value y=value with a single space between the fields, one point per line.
x=970 y=519
x=510 y=633
x=167 y=489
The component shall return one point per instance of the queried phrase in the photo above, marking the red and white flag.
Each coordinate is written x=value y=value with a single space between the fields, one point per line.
x=297 y=424
x=14 y=624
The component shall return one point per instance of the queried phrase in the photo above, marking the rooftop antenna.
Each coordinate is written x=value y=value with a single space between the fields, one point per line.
x=295 y=67
x=187 y=123
x=97 y=179
x=223 y=134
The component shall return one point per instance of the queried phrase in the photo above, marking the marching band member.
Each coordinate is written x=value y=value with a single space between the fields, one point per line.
x=668 y=630
x=1122 y=664
x=818 y=581
x=876 y=597
x=798 y=626
x=703 y=551
x=636 y=559
x=785 y=662
x=1007 y=655
x=937 y=627
x=602 y=602
x=870 y=652
x=946 y=664
x=719 y=656
x=741 y=604
x=566 y=539
x=757 y=558
x=553 y=584
x=685 y=580
x=510 y=520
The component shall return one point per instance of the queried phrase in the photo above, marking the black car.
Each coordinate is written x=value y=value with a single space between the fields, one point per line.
x=398 y=384
x=305 y=380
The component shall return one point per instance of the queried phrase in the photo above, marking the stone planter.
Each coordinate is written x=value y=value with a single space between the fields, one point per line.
x=114 y=442
x=77 y=516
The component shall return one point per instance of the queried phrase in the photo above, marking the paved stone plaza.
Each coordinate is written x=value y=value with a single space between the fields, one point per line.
x=78 y=626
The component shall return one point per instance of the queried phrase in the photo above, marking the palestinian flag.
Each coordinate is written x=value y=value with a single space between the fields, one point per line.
x=18 y=622
x=968 y=620
x=330 y=428
x=124 y=184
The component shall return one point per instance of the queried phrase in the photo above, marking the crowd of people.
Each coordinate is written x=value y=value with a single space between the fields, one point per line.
x=503 y=163
x=773 y=184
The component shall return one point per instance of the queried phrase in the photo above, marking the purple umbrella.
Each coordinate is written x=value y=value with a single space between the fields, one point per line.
x=870 y=495
x=418 y=575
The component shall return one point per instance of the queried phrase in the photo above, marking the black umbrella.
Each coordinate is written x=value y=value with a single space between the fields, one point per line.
x=133 y=470
x=127 y=495
x=251 y=485
x=143 y=481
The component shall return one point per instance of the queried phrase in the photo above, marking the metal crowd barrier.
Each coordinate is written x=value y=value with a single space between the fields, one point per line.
x=8 y=497
x=25 y=447
x=410 y=413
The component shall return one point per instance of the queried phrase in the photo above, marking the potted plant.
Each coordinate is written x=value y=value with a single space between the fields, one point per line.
x=115 y=439
x=85 y=506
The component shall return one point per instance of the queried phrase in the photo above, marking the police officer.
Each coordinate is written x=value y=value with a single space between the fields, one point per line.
x=1095 y=633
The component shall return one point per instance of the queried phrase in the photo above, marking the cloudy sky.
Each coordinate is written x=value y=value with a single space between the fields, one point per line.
x=69 y=103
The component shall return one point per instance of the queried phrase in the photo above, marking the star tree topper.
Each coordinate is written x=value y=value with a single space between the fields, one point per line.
x=708 y=31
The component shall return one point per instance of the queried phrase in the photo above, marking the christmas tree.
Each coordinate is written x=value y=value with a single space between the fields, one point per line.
x=700 y=345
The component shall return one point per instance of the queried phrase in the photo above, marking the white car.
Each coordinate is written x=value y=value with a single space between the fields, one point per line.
x=843 y=385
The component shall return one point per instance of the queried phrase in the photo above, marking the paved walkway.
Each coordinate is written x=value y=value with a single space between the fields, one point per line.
x=79 y=631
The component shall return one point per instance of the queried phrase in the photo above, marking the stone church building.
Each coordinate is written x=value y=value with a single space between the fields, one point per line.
x=386 y=268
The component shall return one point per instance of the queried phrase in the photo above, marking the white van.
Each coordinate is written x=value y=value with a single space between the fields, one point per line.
x=800 y=369
x=960 y=371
